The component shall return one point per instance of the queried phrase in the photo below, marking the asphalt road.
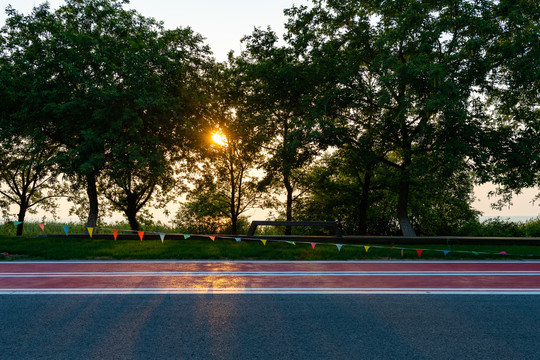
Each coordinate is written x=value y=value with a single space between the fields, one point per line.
x=210 y=326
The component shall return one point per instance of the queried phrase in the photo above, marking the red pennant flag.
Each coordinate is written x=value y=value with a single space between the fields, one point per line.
x=42 y=226
x=313 y=245
x=392 y=248
x=419 y=252
x=213 y=238
x=141 y=234
x=115 y=233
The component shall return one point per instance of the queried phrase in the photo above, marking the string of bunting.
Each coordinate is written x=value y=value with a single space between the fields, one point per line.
x=264 y=241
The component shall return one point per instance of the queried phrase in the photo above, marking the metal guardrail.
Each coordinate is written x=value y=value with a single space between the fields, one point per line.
x=332 y=224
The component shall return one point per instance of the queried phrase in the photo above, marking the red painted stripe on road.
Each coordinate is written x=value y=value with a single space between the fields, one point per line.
x=270 y=275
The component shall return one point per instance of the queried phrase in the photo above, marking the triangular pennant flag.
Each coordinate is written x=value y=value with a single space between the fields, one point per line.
x=313 y=245
x=66 y=229
x=186 y=236
x=475 y=253
x=238 y=239
x=42 y=226
x=339 y=247
x=419 y=252
x=162 y=236
x=392 y=248
x=17 y=223
x=367 y=248
x=446 y=252
x=90 y=231
x=291 y=242
x=213 y=238
x=264 y=242
x=115 y=233
x=503 y=253
x=141 y=234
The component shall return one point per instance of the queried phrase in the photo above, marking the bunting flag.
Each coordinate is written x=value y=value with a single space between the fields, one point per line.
x=90 y=231
x=42 y=226
x=339 y=246
x=238 y=239
x=186 y=236
x=313 y=245
x=446 y=252
x=17 y=223
x=367 y=248
x=141 y=234
x=264 y=242
x=291 y=242
x=213 y=238
x=66 y=229
x=115 y=233
x=503 y=253
x=419 y=252
x=392 y=248
x=475 y=253
x=162 y=236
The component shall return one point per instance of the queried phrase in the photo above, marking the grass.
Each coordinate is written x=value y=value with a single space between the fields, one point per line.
x=69 y=248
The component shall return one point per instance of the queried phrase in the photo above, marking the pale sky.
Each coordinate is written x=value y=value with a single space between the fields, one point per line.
x=224 y=22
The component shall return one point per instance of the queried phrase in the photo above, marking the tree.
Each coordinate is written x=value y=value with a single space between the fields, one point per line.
x=27 y=175
x=512 y=160
x=226 y=184
x=92 y=72
x=440 y=202
x=275 y=82
x=409 y=70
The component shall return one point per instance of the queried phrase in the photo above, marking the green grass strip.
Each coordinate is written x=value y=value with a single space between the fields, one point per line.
x=69 y=248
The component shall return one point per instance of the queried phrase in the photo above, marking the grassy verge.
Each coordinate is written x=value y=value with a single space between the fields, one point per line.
x=67 y=248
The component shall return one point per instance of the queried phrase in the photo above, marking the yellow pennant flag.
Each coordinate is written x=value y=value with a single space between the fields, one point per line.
x=90 y=231
x=367 y=248
x=264 y=242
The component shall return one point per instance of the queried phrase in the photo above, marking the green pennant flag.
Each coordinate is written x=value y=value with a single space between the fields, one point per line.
x=186 y=236
x=475 y=253
x=291 y=242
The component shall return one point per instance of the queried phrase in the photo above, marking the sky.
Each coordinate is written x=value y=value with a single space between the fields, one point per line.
x=224 y=22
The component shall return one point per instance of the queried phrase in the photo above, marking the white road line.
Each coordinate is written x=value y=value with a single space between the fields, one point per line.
x=266 y=273
x=278 y=291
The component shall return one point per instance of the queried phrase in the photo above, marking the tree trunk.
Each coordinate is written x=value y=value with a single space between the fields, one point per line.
x=363 y=206
x=91 y=190
x=288 y=212
x=403 y=200
x=20 y=218
x=234 y=221
x=131 y=214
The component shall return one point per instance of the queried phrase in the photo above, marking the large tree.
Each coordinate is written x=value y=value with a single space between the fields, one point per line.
x=275 y=84
x=403 y=75
x=116 y=89
x=28 y=175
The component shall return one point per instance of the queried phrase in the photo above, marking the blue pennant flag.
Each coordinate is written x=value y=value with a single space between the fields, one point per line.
x=446 y=252
x=339 y=246
x=238 y=239
x=66 y=229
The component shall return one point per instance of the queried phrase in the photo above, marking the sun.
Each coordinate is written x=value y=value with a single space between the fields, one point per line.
x=219 y=138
